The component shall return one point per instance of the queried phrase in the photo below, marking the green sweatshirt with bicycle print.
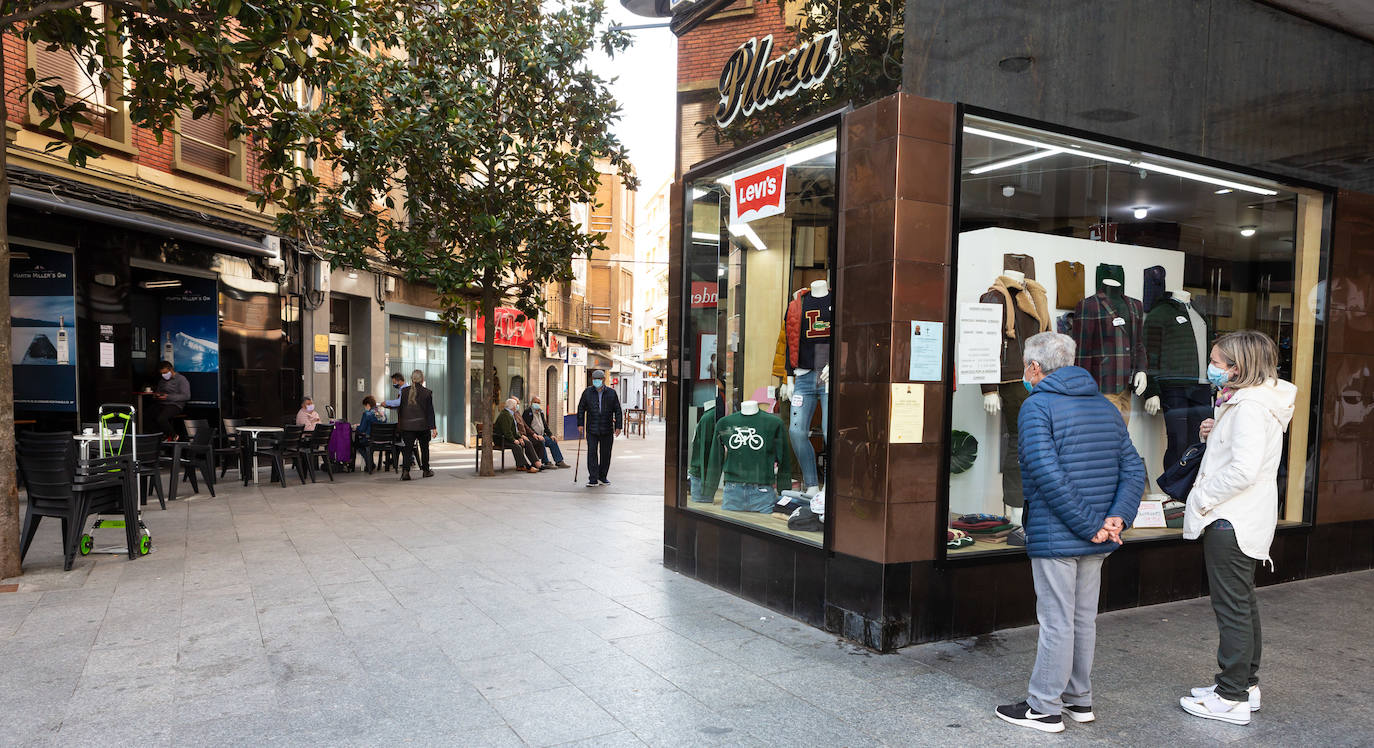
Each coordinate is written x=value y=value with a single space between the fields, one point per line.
x=749 y=449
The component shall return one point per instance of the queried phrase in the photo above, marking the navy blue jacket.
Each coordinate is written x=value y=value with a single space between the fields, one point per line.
x=1078 y=466
x=599 y=410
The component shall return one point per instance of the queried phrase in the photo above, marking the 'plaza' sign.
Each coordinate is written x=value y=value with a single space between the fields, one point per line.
x=751 y=82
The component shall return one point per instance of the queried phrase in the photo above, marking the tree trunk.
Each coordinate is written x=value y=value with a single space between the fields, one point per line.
x=9 y=489
x=488 y=465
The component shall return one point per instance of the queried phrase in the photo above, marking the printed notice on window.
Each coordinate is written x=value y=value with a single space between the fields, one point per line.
x=906 y=422
x=978 y=351
x=927 y=351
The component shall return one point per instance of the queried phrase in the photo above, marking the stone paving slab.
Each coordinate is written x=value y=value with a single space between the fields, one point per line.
x=529 y=610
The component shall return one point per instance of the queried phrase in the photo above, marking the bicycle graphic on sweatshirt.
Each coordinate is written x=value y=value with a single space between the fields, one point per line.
x=745 y=436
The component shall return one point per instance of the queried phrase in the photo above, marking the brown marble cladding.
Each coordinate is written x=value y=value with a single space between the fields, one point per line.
x=894 y=268
x=672 y=419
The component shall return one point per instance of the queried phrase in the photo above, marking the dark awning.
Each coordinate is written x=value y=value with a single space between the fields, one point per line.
x=49 y=203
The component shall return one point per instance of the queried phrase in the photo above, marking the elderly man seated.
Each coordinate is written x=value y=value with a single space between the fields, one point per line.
x=506 y=435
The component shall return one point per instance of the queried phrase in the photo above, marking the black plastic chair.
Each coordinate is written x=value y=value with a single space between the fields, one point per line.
x=383 y=441
x=229 y=449
x=316 y=447
x=58 y=485
x=278 y=447
x=199 y=453
x=148 y=466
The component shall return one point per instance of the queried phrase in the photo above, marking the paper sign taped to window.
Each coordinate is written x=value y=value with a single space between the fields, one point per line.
x=906 y=422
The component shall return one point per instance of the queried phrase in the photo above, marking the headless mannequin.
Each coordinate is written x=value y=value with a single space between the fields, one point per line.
x=819 y=290
x=1152 y=404
x=1115 y=291
x=748 y=407
x=992 y=402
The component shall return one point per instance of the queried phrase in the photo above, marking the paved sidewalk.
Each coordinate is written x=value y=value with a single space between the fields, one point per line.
x=530 y=610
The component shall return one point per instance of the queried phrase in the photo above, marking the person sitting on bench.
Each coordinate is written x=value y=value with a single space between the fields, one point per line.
x=505 y=435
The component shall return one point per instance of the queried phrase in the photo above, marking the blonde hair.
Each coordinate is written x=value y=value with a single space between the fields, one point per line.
x=1254 y=355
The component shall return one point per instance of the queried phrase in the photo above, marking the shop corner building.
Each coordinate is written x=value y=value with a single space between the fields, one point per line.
x=851 y=278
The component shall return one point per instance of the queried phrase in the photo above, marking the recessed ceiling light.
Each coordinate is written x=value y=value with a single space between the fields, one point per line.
x=1141 y=212
x=1248 y=230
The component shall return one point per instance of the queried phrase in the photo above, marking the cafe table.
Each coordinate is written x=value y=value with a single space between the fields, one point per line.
x=253 y=432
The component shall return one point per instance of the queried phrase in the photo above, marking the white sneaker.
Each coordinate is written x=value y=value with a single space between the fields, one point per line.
x=1254 y=692
x=1213 y=706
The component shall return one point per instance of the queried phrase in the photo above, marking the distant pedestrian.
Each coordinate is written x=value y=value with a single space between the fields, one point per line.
x=1233 y=507
x=1082 y=479
x=538 y=421
x=599 y=417
x=416 y=423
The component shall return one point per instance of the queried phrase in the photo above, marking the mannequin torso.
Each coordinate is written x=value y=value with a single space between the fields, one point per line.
x=749 y=407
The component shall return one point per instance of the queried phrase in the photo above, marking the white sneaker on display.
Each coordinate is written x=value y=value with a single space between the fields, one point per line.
x=1213 y=706
x=1253 y=691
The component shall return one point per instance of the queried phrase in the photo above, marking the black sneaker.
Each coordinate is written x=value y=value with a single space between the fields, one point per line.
x=592 y=484
x=605 y=482
x=427 y=474
x=1021 y=714
x=405 y=475
x=1079 y=713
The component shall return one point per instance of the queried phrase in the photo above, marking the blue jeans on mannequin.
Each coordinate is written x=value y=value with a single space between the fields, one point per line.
x=799 y=429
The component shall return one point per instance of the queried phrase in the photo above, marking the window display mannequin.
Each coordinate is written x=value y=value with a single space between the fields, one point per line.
x=749 y=450
x=1108 y=329
x=1176 y=351
x=696 y=465
x=805 y=349
x=1025 y=312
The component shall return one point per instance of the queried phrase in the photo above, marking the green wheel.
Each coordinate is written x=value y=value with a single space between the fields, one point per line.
x=86 y=544
x=145 y=544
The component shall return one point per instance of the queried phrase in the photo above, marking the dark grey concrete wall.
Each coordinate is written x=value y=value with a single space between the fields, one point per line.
x=1230 y=80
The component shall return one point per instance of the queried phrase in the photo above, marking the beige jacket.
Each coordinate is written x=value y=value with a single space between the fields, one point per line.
x=1238 y=478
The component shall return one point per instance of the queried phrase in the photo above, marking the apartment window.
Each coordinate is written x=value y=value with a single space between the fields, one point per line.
x=202 y=144
x=108 y=118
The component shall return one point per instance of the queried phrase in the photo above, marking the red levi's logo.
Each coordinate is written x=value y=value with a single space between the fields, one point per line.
x=760 y=193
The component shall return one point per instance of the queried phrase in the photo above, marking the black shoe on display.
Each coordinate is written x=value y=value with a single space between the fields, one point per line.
x=1021 y=714
x=427 y=474
x=405 y=475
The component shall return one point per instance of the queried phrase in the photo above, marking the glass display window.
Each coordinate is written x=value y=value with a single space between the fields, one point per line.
x=758 y=321
x=1143 y=259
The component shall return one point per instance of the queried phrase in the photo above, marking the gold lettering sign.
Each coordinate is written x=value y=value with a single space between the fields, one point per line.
x=750 y=81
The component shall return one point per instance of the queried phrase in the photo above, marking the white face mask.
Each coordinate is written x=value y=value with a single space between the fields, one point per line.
x=535 y=406
x=166 y=375
x=310 y=409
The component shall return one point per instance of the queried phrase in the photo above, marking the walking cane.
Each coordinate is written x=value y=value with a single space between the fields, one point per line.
x=577 y=464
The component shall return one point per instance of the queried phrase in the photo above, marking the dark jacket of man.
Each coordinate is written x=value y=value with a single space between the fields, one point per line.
x=504 y=430
x=599 y=411
x=416 y=409
x=528 y=416
x=1078 y=466
x=177 y=389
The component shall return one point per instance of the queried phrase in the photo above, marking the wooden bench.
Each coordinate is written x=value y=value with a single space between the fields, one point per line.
x=477 y=457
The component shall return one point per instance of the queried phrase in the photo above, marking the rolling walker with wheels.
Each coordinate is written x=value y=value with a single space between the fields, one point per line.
x=118 y=429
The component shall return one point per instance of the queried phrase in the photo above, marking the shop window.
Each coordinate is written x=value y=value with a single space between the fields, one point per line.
x=80 y=77
x=202 y=145
x=1143 y=260
x=758 y=311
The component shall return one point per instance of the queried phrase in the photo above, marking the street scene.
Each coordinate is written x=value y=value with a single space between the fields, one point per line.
x=686 y=372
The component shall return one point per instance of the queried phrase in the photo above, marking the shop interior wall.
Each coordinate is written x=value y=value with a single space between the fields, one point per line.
x=1232 y=80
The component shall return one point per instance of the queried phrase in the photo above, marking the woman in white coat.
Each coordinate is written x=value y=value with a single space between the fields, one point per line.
x=1233 y=507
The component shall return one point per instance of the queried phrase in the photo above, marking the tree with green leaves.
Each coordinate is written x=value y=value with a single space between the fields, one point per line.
x=461 y=133
x=173 y=57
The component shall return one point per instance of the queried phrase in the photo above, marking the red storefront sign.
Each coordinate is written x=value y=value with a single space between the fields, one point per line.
x=513 y=328
x=704 y=294
x=758 y=193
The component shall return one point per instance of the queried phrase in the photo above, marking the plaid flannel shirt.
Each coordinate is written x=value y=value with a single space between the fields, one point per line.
x=1111 y=353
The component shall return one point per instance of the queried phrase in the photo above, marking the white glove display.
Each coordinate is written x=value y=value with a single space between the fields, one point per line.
x=1152 y=405
x=1140 y=381
x=784 y=392
x=824 y=376
x=992 y=403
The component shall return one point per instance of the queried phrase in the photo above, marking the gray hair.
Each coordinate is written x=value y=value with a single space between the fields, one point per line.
x=1051 y=350
x=512 y=402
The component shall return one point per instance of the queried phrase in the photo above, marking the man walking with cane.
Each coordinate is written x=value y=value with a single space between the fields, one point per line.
x=599 y=417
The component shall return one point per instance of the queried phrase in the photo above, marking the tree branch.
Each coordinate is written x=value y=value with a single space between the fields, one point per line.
x=38 y=10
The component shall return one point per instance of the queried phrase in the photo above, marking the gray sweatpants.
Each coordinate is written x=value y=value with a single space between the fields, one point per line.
x=1066 y=591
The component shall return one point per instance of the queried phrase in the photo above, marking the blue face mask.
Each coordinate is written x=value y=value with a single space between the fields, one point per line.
x=597 y=383
x=1029 y=387
x=1218 y=377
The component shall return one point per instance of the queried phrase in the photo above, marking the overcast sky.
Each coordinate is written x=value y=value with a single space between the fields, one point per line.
x=646 y=88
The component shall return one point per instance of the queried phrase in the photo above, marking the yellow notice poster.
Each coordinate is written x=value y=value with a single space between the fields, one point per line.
x=906 y=422
x=322 y=344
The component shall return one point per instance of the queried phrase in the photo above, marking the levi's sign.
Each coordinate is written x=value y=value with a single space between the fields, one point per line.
x=758 y=192
x=751 y=82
